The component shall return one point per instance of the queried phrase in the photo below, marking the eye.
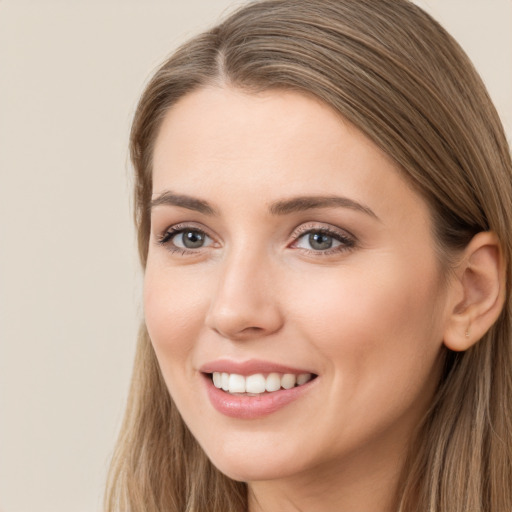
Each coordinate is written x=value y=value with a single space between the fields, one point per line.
x=190 y=239
x=322 y=240
x=185 y=239
x=318 y=241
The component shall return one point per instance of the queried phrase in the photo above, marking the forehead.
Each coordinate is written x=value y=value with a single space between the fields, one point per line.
x=272 y=143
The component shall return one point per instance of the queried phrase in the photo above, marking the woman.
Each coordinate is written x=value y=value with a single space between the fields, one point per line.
x=323 y=204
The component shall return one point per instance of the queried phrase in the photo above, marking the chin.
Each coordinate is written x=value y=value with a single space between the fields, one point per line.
x=254 y=465
x=244 y=471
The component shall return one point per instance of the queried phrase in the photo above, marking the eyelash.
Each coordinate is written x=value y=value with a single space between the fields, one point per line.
x=346 y=241
x=166 y=238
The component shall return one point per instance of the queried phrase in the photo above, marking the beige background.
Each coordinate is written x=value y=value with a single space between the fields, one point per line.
x=70 y=75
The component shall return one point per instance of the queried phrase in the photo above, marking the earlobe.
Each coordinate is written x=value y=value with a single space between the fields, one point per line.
x=481 y=282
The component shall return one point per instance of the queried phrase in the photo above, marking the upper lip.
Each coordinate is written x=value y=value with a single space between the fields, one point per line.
x=249 y=367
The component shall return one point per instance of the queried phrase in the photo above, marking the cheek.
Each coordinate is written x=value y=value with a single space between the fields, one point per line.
x=173 y=312
x=385 y=319
x=379 y=336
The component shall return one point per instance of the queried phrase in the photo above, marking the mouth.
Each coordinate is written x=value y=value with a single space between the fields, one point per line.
x=258 y=384
x=254 y=389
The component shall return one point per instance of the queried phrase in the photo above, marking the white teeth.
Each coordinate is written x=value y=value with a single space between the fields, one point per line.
x=225 y=381
x=236 y=383
x=258 y=383
x=273 y=382
x=217 y=380
x=255 y=383
x=288 y=381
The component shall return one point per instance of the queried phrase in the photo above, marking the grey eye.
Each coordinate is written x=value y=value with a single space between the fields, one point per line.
x=320 y=241
x=191 y=239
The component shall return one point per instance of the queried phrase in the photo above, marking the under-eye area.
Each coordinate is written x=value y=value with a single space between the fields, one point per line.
x=258 y=383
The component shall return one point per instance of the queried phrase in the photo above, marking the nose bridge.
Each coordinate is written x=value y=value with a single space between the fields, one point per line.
x=245 y=303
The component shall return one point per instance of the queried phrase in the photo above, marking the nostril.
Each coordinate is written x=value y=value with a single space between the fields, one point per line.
x=253 y=329
x=240 y=309
x=240 y=333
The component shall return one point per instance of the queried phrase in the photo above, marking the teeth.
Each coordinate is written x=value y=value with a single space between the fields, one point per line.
x=273 y=382
x=217 y=380
x=255 y=383
x=236 y=383
x=224 y=381
x=288 y=381
x=303 y=378
x=258 y=383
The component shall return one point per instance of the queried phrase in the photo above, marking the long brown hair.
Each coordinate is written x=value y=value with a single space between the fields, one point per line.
x=394 y=72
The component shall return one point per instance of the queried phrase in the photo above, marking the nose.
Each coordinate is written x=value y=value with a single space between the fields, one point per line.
x=245 y=303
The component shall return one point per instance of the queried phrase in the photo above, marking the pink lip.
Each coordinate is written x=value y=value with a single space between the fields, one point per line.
x=249 y=367
x=252 y=407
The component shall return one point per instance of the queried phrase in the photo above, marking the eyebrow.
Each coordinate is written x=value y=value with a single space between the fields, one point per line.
x=298 y=204
x=282 y=207
x=190 y=203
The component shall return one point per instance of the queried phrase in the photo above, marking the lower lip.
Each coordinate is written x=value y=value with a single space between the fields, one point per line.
x=253 y=407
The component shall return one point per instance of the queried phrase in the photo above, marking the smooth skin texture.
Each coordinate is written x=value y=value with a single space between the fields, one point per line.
x=368 y=315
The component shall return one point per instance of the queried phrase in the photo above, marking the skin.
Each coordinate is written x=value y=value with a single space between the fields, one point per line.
x=367 y=316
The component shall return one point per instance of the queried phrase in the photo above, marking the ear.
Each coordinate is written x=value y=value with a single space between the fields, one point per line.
x=478 y=292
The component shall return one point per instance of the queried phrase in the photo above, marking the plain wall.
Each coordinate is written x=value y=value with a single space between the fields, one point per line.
x=70 y=76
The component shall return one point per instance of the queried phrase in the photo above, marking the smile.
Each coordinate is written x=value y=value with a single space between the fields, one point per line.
x=258 y=383
x=249 y=395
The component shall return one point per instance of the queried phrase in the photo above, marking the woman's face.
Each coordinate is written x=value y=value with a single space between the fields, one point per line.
x=284 y=242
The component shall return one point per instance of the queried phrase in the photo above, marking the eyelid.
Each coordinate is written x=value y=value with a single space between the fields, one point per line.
x=322 y=226
x=347 y=240
x=164 y=238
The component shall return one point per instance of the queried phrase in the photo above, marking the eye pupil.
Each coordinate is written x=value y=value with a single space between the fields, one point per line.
x=193 y=239
x=320 y=241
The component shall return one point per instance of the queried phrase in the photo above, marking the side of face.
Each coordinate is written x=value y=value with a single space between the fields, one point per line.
x=282 y=237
